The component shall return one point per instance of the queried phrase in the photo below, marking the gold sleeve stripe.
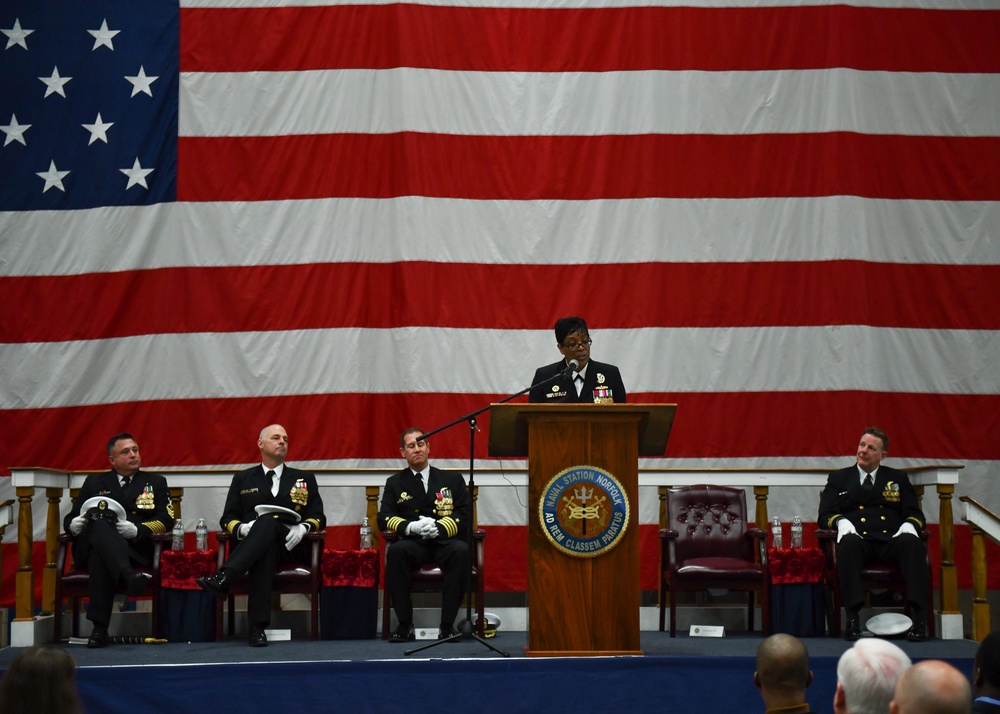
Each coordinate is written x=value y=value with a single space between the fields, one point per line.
x=394 y=522
x=313 y=523
x=920 y=526
x=232 y=526
x=450 y=526
x=833 y=520
x=155 y=526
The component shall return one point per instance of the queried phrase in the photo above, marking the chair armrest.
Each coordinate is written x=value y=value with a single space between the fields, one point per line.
x=759 y=535
x=317 y=539
x=159 y=541
x=668 y=533
x=64 y=540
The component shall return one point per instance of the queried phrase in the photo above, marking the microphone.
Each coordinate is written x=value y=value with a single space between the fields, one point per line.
x=570 y=368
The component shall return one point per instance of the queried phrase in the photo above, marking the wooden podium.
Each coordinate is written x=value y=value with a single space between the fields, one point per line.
x=581 y=604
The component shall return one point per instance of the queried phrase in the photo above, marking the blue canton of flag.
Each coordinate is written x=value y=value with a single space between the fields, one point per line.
x=88 y=103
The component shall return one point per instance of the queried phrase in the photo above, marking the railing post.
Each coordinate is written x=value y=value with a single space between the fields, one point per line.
x=25 y=581
x=52 y=529
x=946 y=528
x=371 y=510
x=980 y=605
x=760 y=495
x=8 y=507
x=176 y=496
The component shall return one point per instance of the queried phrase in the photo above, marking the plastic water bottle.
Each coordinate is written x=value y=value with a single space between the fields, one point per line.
x=201 y=535
x=366 y=535
x=776 y=533
x=796 y=532
x=178 y=540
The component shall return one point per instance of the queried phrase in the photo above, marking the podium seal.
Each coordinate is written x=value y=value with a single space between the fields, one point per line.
x=584 y=511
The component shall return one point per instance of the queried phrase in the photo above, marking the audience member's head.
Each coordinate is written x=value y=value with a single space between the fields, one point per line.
x=40 y=680
x=932 y=687
x=986 y=670
x=867 y=675
x=782 y=671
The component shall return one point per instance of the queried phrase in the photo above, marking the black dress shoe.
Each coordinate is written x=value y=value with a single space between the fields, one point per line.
x=447 y=631
x=403 y=633
x=917 y=633
x=853 y=630
x=135 y=583
x=258 y=638
x=217 y=584
x=98 y=637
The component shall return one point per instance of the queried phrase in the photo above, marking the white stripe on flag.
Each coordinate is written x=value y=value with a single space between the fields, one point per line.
x=202 y=365
x=506 y=232
x=587 y=103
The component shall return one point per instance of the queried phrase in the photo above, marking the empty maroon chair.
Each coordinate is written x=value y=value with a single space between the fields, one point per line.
x=709 y=544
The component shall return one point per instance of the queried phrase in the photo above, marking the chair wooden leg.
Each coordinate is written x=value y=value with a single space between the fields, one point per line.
x=76 y=616
x=765 y=612
x=155 y=604
x=663 y=600
x=480 y=616
x=386 y=610
x=833 y=619
x=218 y=620
x=314 y=607
x=57 y=622
x=673 y=615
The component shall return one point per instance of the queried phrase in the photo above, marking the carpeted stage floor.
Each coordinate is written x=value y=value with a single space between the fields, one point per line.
x=683 y=674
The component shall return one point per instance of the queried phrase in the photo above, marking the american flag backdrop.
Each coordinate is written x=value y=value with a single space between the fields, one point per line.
x=350 y=218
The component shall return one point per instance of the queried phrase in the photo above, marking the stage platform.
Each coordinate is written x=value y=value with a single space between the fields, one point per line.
x=682 y=674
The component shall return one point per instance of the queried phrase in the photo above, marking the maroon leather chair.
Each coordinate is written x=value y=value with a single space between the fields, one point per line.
x=296 y=578
x=708 y=544
x=429 y=578
x=73 y=584
x=874 y=576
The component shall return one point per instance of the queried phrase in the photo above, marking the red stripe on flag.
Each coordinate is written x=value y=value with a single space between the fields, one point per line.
x=367 y=426
x=557 y=40
x=817 y=424
x=335 y=295
x=264 y=168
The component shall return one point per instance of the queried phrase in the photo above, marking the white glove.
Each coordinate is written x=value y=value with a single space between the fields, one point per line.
x=244 y=528
x=906 y=528
x=127 y=529
x=295 y=535
x=430 y=529
x=417 y=527
x=77 y=525
x=844 y=527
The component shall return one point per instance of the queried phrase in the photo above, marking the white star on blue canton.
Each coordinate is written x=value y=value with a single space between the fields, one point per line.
x=53 y=177
x=103 y=36
x=16 y=36
x=136 y=175
x=98 y=130
x=54 y=84
x=140 y=82
x=14 y=131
